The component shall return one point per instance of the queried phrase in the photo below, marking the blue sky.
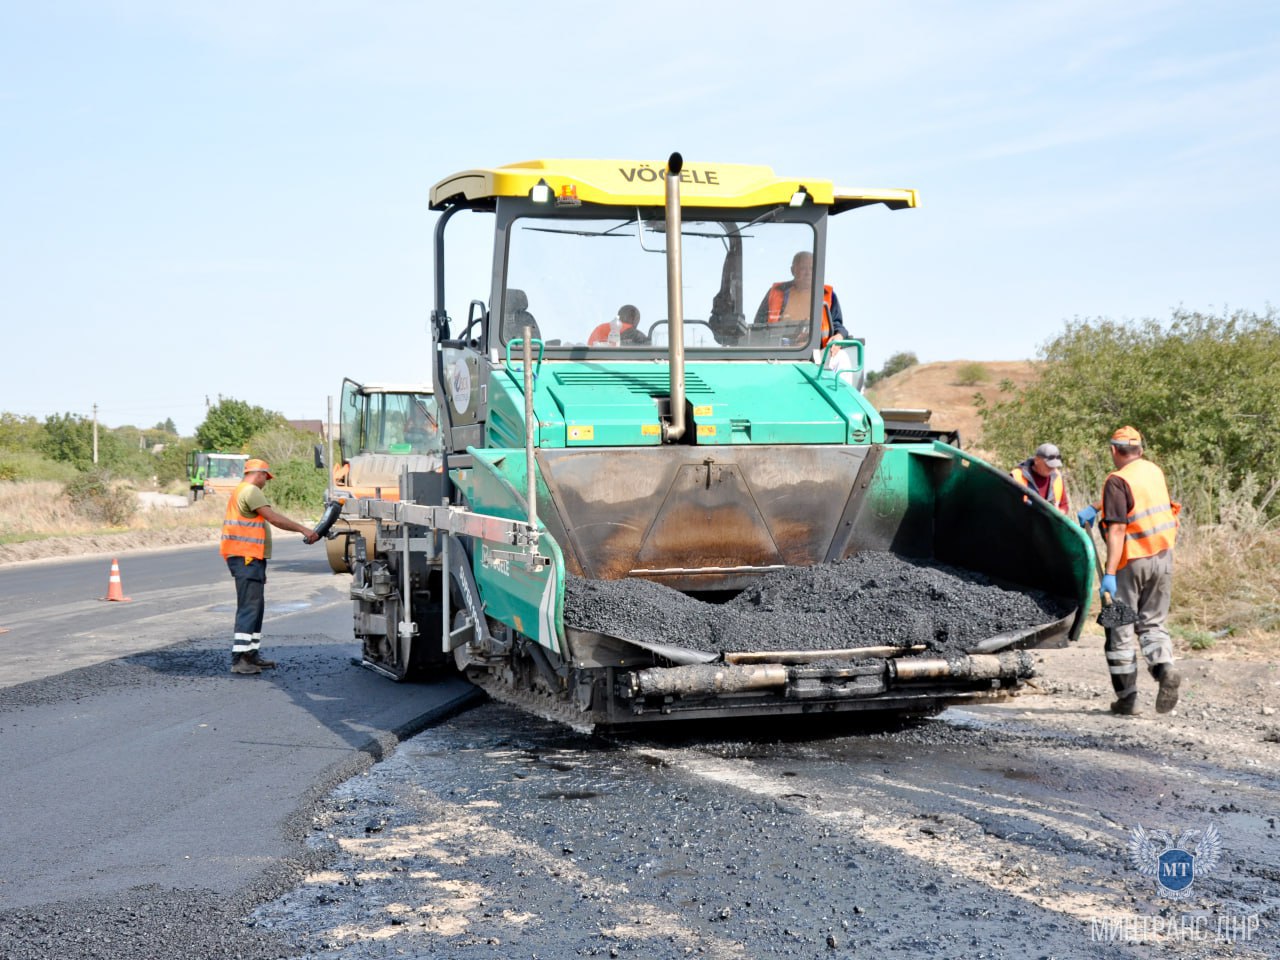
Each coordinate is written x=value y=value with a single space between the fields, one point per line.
x=231 y=198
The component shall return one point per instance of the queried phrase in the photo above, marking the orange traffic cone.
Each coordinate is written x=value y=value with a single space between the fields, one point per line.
x=114 y=590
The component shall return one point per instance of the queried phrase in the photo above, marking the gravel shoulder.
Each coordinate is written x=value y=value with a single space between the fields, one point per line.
x=104 y=544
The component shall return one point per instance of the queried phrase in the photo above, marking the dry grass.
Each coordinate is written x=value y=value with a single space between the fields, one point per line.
x=35 y=510
x=1227 y=578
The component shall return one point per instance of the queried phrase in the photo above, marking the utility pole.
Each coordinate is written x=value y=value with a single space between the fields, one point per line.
x=95 y=433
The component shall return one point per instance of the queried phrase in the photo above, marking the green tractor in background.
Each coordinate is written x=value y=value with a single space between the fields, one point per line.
x=210 y=471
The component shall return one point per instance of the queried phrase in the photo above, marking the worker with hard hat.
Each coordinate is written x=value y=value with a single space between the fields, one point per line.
x=788 y=300
x=246 y=546
x=1139 y=523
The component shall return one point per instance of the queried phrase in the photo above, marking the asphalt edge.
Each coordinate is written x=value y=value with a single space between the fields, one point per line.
x=286 y=873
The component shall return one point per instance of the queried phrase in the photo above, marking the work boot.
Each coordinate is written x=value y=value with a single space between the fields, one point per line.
x=1125 y=706
x=256 y=658
x=1169 y=680
x=242 y=664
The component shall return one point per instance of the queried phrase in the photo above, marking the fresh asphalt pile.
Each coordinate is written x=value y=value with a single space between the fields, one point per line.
x=871 y=599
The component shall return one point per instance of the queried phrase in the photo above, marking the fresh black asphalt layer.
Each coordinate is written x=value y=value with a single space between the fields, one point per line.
x=871 y=599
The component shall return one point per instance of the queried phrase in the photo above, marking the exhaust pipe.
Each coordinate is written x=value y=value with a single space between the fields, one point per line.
x=1009 y=665
x=531 y=484
x=706 y=679
x=674 y=428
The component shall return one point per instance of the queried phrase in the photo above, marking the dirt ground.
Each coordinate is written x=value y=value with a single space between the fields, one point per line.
x=1230 y=698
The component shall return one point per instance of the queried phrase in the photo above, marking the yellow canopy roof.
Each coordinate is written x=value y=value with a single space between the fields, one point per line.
x=641 y=183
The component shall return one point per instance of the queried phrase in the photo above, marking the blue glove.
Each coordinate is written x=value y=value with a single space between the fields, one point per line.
x=1108 y=585
x=1087 y=516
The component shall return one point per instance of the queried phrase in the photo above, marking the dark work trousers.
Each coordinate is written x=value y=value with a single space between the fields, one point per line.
x=251 y=580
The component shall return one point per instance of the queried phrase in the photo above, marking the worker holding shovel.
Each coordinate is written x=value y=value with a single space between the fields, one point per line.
x=1139 y=526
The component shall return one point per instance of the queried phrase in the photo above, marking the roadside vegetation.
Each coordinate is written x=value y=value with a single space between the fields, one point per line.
x=1204 y=391
x=50 y=485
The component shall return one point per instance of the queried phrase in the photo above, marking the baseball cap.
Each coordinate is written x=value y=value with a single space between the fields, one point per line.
x=1126 y=437
x=251 y=465
x=1052 y=455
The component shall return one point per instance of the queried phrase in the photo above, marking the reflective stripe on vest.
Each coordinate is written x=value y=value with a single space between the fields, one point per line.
x=1028 y=479
x=242 y=536
x=1152 y=525
x=777 y=302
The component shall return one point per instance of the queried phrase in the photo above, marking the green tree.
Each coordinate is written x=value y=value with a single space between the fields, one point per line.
x=895 y=364
x=166 y=426
x=279 y=444
x=19 y=432
x=230 y=423
x=69 y=438
x=1203 y=390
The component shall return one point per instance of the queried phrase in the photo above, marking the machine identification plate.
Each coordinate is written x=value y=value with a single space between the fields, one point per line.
x=460 y=382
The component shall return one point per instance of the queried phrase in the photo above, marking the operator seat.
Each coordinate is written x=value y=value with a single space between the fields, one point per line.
x=516 y=316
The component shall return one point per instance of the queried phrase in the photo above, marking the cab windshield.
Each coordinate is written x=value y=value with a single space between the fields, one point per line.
x=388 y=423
x=223 y=468
x=600 y=283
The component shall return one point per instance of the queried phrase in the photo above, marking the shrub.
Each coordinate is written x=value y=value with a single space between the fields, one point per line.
x=171 y=464
x=972 y=374
x=297 y=487
x=1195 y=639
x=93 y=495
x=1203 y=390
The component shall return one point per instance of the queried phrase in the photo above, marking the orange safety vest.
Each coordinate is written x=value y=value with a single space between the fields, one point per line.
x=601 y=333
x=243 y=536
x=1152 y=525
x=777 y=298
x=1056 y=486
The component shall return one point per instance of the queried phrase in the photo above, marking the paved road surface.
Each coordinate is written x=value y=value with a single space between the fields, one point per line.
x=131 y=756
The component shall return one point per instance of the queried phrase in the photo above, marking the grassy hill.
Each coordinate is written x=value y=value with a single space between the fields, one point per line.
x=936 y=387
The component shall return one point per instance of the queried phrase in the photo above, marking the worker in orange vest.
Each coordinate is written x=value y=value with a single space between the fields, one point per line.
x=1042 y=473
x=246 y=546
x=622 y=330
x=788 y=301
x=1139 y=522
